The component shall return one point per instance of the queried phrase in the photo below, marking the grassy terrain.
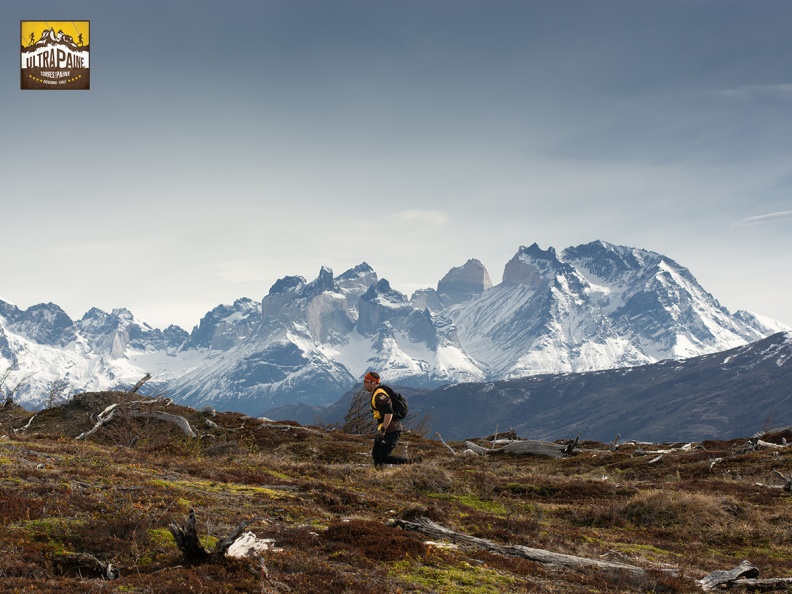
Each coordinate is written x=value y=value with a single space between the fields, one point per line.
x=111 y=496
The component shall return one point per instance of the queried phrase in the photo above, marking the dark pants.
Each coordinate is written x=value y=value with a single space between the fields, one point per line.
x=383 y=446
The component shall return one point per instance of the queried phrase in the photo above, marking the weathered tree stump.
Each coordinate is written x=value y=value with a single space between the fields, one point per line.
x=186 y=537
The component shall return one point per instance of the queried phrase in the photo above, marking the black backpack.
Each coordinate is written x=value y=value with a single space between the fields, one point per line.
x=398 y=402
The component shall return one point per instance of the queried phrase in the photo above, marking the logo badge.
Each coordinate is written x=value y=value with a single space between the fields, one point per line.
x=55 y=55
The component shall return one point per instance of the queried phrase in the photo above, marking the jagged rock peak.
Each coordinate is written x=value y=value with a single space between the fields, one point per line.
x=532 y=266
x=45 y=323
x=608 y=261
x=225 y=325
x=8 y=310
x=464 y=282
x=323 y=282
x=357 y=280
x=361 y=270
x=287 y=284
x=383 y=289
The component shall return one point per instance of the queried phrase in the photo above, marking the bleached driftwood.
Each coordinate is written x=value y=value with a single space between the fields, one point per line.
x=527 y=446
x=436 y=531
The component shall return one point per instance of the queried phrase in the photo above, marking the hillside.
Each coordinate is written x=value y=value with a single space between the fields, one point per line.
x=723 y=395
x=71 y=507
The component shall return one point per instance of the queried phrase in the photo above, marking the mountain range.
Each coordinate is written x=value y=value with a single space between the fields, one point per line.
x=596 y=306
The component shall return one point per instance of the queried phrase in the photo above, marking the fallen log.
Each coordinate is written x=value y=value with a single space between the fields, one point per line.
x=723 y=578
x=285 y=427
x=437 y=532
x=764 y=585
x=527 y=447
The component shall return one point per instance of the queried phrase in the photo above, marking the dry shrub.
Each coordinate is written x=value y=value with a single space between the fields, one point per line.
x=419 y=479
x=664 y=509
x=334 y=500
x=295 y=571
x=512 y=529
x=19 y=507
x=373 y=540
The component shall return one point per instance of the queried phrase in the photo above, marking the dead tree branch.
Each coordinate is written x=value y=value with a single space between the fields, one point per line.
x=102 y=419
x=142 y=381
x=181 y=422
x=787 y=481
x=440 y=437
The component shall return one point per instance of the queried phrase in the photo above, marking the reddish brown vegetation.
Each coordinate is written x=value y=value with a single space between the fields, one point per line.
x=111 y=498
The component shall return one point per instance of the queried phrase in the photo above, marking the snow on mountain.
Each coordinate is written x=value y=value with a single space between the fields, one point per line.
x=42 y=348
x=591 y=307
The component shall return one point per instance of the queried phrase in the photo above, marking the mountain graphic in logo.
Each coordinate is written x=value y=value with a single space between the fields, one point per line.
x=49 y=37
x=55 y=55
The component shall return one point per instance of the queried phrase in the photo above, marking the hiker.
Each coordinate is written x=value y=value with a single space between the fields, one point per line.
x=389 y=428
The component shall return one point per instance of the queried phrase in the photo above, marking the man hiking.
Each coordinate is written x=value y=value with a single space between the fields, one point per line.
x=389 y=428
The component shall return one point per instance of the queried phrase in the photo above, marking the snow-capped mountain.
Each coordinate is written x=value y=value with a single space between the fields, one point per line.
x=591 y=307
x=42 y=347
x=594 y=306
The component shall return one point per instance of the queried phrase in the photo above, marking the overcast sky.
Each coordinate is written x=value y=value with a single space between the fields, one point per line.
x=226 y=144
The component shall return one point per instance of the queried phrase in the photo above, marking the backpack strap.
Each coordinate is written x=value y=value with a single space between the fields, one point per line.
x=374 y=396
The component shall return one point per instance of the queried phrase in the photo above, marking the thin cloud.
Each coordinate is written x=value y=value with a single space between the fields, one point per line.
x=416 y=216
x=767 y=219
x=780 y=91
